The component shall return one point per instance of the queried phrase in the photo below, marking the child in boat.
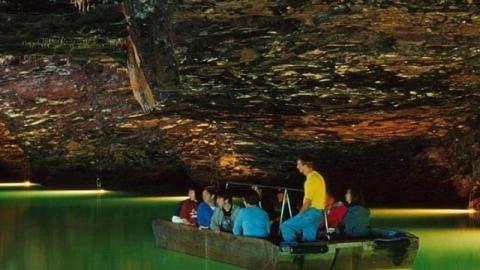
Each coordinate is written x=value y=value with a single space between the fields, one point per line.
x=336 y=211
x=225 y=213
x=186 y=211
x=206 y=208
x=252 y=221
x=357 y=220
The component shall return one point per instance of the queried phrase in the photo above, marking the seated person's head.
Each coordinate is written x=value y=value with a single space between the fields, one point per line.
x=251 y=199
x=224 y=198
x=208 y=194
x=279 y=195
x=330 y=201
x=259 y=190
x=192 y=194
x=354 y=196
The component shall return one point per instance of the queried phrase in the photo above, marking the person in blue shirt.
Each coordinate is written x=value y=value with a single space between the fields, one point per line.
x=252 y=221
x=206 y=208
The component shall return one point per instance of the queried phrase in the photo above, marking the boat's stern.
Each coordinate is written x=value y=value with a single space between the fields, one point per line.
x=382 y=251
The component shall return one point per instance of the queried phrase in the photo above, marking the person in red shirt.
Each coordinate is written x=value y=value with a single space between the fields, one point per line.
x=188 y=209
x=335 y=213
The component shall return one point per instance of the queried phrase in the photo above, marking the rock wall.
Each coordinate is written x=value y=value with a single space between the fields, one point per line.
x=13 y=163
x=382 y=93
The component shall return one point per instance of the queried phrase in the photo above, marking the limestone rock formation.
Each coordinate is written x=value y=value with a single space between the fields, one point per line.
x=383 y=93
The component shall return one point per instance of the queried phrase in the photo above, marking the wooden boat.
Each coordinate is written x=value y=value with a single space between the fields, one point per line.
x=385 y=249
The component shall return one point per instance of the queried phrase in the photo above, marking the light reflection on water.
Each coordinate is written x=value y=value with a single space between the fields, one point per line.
x=449 y=238
x=448 y=249
x=47 y=229
x=85 y=230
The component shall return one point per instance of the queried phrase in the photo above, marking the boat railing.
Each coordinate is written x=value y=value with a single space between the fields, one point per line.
x=286 y=202
x=228 y=184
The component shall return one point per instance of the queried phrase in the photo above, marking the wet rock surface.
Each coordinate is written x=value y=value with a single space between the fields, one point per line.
x=383 y=93
x=12 y=157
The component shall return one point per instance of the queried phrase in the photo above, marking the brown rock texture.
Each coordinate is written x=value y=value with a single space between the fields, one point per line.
x=382 y=93
x=12 y=158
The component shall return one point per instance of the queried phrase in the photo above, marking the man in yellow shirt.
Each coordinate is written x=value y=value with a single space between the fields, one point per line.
x=309 y=217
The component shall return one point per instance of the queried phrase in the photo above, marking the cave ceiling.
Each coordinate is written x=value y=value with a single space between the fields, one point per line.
x=380 y=92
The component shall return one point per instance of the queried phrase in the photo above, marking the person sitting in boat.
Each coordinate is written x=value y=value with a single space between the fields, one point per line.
x=357 y=220
x=265 y=203
x=224 y=214
x=311 y=213
x=277 y=208
x=336 y=211
x=252 y=221
x=186 y=211
x=206 y=208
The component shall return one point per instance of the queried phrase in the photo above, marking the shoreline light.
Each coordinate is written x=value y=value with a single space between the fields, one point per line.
x=421 y=212
x=155 y=199
x=18 y=184
x=74 y=192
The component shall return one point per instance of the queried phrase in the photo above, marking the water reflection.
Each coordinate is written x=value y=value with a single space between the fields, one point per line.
x=449 y=238
x=448 y=249
x=475 y=216
x=8 y=219
x=47 y=229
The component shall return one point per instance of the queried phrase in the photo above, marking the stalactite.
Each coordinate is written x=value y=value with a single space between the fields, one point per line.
x=141 y=90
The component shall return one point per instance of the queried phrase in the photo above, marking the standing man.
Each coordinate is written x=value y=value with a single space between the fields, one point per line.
x=309 y=217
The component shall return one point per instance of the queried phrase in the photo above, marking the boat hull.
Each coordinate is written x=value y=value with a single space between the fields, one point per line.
x=242 y=251
x=381 y=252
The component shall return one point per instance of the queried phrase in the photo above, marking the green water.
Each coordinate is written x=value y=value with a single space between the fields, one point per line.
x=44 y=229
